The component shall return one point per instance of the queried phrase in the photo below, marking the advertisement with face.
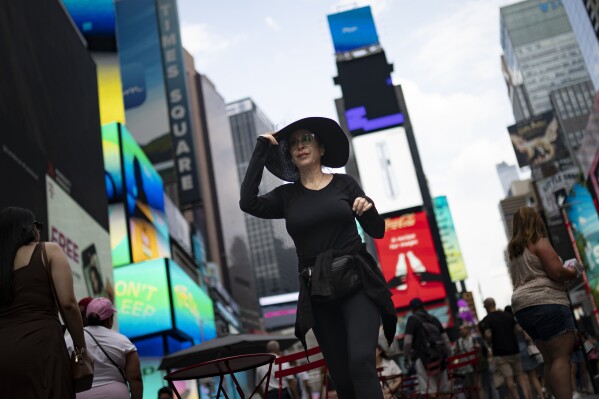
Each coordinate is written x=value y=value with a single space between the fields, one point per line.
x=408 y=260
x=395 y=186
x=85 y=243
x=449 y=240
x=142 y=298
x=537 y=140
x=148 y=228
x=353 y=29
x=194 y=312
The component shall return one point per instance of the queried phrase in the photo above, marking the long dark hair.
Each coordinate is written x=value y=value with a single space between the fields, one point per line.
x=16 y=230
x=527 y=227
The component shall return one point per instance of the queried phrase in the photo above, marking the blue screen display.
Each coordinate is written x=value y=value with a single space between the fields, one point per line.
x=353 y=29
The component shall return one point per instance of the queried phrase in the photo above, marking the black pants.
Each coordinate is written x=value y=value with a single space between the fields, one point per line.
x=347 y=333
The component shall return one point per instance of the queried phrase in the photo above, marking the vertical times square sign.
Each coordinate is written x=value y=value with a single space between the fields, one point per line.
x=180 y=121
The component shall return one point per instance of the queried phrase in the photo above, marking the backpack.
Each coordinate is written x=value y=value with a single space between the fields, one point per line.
x=431 y=346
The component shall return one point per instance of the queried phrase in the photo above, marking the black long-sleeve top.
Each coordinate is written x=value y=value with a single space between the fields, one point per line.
x=320 y=222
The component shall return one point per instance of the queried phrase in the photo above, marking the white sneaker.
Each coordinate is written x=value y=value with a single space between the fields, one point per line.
x=576 y=395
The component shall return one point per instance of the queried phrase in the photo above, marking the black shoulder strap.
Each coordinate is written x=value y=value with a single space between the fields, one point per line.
x=108 y=356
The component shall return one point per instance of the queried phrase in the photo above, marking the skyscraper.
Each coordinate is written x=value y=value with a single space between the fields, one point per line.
x=584 y=18
x=541 y=54
x=507 y=175
x=272 y=250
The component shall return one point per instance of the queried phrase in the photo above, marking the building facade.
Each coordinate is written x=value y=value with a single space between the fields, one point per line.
x=272 y=250
x=507 y=175
x=540 y=54
x=584 y=18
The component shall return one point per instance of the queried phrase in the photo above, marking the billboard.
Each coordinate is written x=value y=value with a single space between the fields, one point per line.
x=449 y=240
x=135 y=193
x=408 y=260
x=585 y=228
x=96 y=22
x=178 y=226
x=157 y=296
x=549 y=186
x=178 y=105
x=153 y=380
x=395 y=185
x=369 y=96
x=142 y=298
x=85 y=243
x=194 y=312
x=353 y=29
x=144 y=91
x=537 y=140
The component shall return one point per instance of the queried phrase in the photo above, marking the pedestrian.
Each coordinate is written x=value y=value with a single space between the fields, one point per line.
x=529 y=358
x=540 y=299
x=116 y=363
x=83 y=302
x=389 y=371
x=288 y=383
x=165 y=393
x=500 y=329
x=344 y=307
x=467 y=342
x=34 y=359
x=426 y=343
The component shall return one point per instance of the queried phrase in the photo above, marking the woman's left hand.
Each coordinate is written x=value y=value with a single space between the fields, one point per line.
x=361 y=205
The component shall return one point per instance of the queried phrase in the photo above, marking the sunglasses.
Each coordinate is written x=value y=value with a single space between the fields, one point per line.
x=306 y=140
x=38 y=225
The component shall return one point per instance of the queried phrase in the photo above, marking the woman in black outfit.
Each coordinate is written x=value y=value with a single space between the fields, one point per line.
x=320 y=210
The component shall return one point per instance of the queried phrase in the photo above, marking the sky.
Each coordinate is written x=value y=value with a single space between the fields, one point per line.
x=446 y=57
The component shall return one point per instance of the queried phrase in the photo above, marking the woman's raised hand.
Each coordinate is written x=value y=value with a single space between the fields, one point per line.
x=270 y=136
x=361 y=205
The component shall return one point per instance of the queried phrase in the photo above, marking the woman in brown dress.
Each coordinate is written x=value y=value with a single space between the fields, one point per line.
x=34 y=362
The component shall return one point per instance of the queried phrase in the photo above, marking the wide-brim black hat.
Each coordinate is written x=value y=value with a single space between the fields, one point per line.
x=328 y=133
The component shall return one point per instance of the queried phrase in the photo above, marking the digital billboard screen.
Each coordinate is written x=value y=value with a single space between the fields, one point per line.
x=353 y=29
x=584 y=221
x=194 y=311
x=85 y=243
x=95 y=20
x=148 y=229
x=409 y=261
x=369 y=96
x=385 y=158
x=142 y=298
x=449 y=240
x=138 y=226
x=537 y=140
x=142 y=75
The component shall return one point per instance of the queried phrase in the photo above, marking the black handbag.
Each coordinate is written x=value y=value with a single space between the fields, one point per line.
x=344 y=279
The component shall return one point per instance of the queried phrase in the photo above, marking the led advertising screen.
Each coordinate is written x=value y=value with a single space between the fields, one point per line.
x=119 y=236
x=449 y=240
x=537 y=140
x=148 y=229
x=142 y=298
x=368 y=94
x=408 y=260
x=385 y=158
x=194 y=312
x=153 y=380
x=353 y=29
x=95 y=20
x=585 y=228
x=85 y=243
x=142 y=75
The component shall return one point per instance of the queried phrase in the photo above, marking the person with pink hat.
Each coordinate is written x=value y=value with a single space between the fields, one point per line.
x=115 y=357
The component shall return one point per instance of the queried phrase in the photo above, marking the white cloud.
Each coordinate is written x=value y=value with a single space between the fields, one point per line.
x=204 y=43
x=272 y=24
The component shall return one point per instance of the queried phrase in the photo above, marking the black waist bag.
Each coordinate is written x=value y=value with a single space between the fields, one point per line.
x=344 y=279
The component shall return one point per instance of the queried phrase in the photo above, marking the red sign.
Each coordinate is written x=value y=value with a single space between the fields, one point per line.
x=409 y=261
